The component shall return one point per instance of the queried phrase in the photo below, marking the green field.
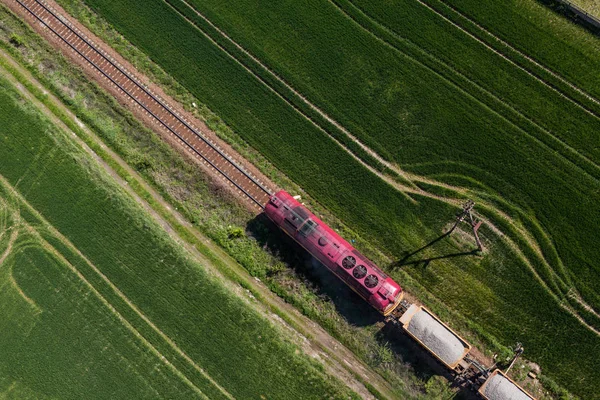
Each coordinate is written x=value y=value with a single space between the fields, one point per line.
x=456 y=111
x=99 y=302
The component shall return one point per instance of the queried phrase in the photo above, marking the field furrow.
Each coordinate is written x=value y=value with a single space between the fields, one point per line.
x=126 y=309
x=327 y=100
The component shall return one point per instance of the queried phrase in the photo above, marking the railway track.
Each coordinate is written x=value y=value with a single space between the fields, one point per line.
x=175 y=125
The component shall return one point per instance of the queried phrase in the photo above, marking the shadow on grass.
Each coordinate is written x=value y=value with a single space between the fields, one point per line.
x=349 y=305
x=406 y=260
x=325 y=284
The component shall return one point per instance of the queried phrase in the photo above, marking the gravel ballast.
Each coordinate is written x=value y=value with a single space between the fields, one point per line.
x=500 y=388
x=436 y=337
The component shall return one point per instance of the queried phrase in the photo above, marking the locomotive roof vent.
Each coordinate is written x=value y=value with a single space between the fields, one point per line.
x=371 y=281
x=323 y=241
x=348 y=262
x=359 y=272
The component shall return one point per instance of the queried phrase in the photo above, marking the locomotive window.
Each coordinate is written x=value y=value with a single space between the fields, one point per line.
x=308 y=227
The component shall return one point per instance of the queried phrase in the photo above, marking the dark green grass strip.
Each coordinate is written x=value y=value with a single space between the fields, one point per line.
x=538 y=32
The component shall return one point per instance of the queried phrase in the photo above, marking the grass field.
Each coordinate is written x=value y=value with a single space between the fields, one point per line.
x=98 y=302
x=459 y=118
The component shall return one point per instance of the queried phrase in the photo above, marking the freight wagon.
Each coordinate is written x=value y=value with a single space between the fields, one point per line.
x=498 y=386
x=385 y=295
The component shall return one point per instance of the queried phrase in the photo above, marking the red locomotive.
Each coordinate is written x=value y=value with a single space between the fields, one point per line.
x=339 y=256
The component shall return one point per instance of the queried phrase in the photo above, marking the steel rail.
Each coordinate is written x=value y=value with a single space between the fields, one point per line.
x=159 y=101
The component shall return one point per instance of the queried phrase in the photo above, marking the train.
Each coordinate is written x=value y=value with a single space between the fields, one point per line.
x=387 y=297
x=335 y=253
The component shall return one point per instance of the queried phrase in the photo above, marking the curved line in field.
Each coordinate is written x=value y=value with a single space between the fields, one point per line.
x=518 y=252
x=561 y=143
x=18 y=197
x=49 y=248
x=9 y=246
x=526 y=235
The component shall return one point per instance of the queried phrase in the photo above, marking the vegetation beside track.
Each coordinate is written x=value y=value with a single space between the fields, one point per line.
x=538 y=184
x=98 y=301
x=209 y=208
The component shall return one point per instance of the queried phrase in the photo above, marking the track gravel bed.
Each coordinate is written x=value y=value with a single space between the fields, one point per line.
x=156 y=109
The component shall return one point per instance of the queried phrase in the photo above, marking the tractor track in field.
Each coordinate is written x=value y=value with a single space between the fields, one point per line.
x=389 y=165
x=128 y=88
x=509 y=60
x=403 y=188
x=288 y=86
x=558 y=141
x=47 y=226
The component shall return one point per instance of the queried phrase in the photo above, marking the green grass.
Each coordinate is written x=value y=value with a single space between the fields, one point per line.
x=80 y=240
x=189 y=192
x=536 y=30
x=440 y=113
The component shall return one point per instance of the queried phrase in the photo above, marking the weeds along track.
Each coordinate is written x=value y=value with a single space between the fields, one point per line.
x=209 y=153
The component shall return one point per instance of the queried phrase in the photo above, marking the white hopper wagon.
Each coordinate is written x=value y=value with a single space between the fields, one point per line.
x=435 y=336
x=498 y=386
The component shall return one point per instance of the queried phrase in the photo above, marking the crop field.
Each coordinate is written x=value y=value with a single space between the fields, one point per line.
x=99 y=302
x=449 y=101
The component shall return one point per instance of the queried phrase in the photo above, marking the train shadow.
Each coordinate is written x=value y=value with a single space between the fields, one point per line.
x=351 y=306
x=322 y=281
x=421 y=362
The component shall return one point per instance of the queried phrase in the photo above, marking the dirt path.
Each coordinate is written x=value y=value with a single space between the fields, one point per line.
x=337 y=359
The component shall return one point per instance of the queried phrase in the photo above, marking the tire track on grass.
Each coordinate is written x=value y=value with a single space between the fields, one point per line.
x=417 y=178
x=392 y=167
x=512 y=245
x=584 y=159
x=11 y=241
x=413 y=189
x=288 y=86
x=524 y=233
x=65 y=241
x=54 y=252
x=508 y=59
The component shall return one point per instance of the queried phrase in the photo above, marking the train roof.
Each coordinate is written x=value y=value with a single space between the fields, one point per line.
x=434 y=335
x=500 y=387
x=310 y=225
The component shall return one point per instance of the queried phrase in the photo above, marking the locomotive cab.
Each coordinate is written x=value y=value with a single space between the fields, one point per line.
x=335 y=253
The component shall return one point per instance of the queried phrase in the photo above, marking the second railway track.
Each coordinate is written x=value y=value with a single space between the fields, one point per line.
x=238 y=178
